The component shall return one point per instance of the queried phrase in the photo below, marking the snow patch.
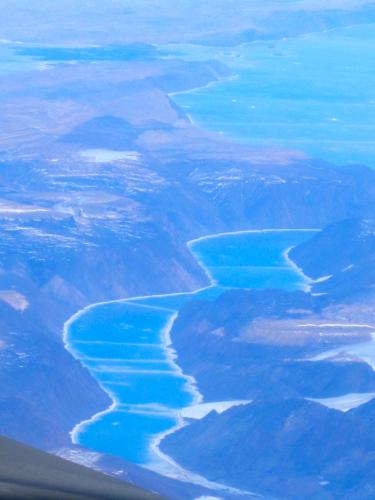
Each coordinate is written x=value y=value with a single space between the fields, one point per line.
x=81 y=457
x=108 y=155
x=323 y=278
x=14 y=299
x=202 y=410
x=347 y=268
x=346 y=402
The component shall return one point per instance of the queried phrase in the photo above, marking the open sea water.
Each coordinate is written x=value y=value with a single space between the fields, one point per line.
x=314 y=93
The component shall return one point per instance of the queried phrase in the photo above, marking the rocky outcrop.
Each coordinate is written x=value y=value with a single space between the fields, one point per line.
x=341 y=258
x=216 y=343
x=284 y=448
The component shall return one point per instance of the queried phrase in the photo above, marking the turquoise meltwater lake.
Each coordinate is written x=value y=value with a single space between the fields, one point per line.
x=125 y=344
x=314 y=94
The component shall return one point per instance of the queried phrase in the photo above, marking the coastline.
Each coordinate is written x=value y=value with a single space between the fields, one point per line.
x=307 y=280
x=208 y=85
x=251 y=231
x=176 y=471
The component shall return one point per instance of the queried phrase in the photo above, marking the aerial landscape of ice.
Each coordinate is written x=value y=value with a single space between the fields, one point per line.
x=187 y=249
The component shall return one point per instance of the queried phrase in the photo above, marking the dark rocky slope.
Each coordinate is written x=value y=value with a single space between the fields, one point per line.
x=344 y=253
x=247 y=344
x=285 y=448
x=27 y=473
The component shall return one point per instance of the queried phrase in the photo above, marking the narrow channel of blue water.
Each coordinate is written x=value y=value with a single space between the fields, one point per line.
x=124 y=343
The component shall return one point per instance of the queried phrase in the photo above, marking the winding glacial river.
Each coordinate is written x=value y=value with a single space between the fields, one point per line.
x=125 y=344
